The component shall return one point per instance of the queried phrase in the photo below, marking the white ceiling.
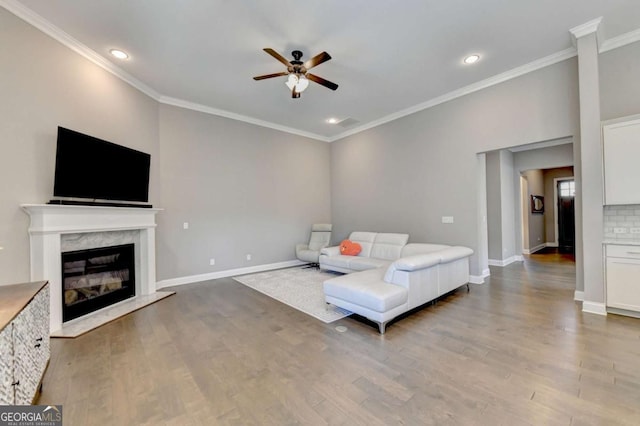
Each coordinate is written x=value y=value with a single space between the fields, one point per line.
x=388 y=57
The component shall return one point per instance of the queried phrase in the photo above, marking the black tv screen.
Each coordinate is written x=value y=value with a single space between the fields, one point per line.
x=91 y=168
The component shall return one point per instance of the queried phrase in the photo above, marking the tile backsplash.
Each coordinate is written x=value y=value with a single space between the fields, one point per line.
x=622 y=218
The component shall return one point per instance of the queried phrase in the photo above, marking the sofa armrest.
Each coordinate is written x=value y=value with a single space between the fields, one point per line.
x=418 y=261
x=331 y=251
x=301 y=247
x=410 y=264
x=454 y=253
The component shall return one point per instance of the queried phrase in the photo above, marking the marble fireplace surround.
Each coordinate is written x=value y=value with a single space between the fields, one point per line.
x=58 y=228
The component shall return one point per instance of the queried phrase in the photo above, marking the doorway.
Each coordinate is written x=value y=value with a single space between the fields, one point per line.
x=565 y=206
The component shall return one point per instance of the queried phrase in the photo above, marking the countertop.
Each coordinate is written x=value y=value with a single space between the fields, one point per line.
x=14 y=298
x=622 y=242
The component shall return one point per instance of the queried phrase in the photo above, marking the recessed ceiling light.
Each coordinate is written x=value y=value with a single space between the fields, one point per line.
x=332 y=120
x=119 y=54
x=471 y=59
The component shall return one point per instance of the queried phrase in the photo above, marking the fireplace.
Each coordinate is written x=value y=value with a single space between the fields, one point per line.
x=56 y=229
x=96 y=278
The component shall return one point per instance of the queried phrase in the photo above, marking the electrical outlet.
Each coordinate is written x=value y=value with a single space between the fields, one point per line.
x=212 y=261
x=619 y=230
x=185 y=225
x=248 y=257
x=447 y=219
x=635 y=230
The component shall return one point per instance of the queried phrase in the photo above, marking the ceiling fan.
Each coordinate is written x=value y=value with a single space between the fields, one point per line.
x=297 y=71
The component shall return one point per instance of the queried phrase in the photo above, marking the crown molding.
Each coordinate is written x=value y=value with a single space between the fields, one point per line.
x=491 y=81
x=56 y=33
x=239 y=117
x=620 y=41
x=587 y=28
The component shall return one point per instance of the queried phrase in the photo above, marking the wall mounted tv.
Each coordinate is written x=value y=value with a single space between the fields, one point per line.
x=94 y=169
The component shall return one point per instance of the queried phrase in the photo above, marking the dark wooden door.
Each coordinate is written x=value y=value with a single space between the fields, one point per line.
x=566 y=216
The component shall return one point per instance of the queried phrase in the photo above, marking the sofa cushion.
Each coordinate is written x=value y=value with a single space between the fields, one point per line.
x=339 y=261
x=367 y=289
x=365 y=239
x=363 y=263
x=349 y=248
x=388 y=246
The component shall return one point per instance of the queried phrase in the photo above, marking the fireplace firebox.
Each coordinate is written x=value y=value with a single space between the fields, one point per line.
x=96 y=278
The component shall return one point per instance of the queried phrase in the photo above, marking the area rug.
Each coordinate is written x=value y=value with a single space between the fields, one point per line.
x=299 y=287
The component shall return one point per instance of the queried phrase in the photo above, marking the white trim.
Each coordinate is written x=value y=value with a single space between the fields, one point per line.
x=538 y=145
x=476 y=279
x=578 y=295
x=585 y=29
x=227 y=273
x=551 y=244
x=594 y=308
x=479 y=279
x=491 y=81
x=626 y=312
x=505 y=262
x=534 y=249
x=239 y=117
x=620 y=41
x=29 y=16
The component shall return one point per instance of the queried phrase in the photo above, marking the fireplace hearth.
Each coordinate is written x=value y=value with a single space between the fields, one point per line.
x=96 y=278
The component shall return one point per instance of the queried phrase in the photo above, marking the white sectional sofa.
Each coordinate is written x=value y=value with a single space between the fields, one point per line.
x=390 y=277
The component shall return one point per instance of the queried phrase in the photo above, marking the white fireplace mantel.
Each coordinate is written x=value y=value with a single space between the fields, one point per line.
x=50 y=221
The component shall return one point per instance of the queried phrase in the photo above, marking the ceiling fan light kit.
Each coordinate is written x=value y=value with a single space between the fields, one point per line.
x=297 y=71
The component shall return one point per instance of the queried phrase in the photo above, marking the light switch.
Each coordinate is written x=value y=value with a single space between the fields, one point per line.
x=447 y=219
x=185 y=225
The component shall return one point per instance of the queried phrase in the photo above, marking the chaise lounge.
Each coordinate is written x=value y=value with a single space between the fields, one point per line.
x=390 y=277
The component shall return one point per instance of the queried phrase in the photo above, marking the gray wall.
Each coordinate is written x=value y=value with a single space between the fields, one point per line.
x=494 y=205
x=42 y=85
x=535 y=221
x=508 y=196
x=242 y=188
x=535 y=159
x=405 y=175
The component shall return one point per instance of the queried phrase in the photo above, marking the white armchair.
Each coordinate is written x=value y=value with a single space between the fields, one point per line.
x=320 y=238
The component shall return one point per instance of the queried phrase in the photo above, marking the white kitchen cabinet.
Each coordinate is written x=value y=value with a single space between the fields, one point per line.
x=24 y=341
x=621 y=152
x=623 y=277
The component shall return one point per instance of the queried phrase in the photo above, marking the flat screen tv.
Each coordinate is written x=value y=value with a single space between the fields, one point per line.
x=94 y=169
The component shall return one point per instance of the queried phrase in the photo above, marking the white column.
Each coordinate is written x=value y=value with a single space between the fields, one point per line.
x=590 y=189
x=46 y=266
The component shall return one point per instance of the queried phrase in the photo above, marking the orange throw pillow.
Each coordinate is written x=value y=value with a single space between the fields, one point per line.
x=349 y=248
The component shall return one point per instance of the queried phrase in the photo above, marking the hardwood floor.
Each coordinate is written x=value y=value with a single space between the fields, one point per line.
x=516 y=350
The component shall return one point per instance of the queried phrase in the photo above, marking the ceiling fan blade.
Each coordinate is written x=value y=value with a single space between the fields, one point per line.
x=262 y=77
x=317 y=60
x=326 y=83
x=278 y=56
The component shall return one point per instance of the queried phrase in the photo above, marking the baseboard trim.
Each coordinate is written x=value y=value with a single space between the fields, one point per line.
x=476 y=279
x=578 y=295
x=551 y=244
x=594 y=308
x=535 y=249
x=224 y=274
x=505 y=262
